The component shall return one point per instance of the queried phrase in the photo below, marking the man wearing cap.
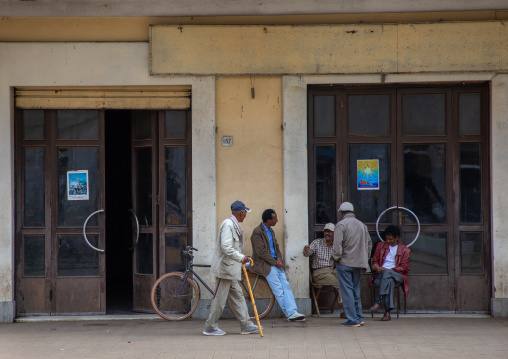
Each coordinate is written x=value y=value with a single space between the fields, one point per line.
x=268 y=262
x=351 y=249
x=323 y=271
x=227 y=268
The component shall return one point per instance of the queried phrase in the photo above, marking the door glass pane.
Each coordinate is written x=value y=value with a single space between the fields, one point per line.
x=33 y=124
x=175 y=124
x=175 y=185
x=325 y=185
x=470 y=114
x=428 y=253
x=369 y=114
x=34 y=187
x=144 y=254
x=144 y=194
x=75 y=257
x=425 y=182
x=142 y=124
x=424 y=114
x=34 y=256
x=78 y=124
x=369 y=203
x=470 y=183
x=73 y=212
x=175 y=244
x=471 y=253
x=324 y=116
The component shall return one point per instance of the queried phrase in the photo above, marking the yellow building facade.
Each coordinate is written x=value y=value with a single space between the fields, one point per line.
x=246 y=86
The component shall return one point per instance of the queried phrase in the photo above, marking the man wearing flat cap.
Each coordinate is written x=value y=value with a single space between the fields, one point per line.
x=351 y=250
x=323 y=268
x=227 y=268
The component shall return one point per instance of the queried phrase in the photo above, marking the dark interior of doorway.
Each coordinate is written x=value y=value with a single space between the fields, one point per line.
x=119 y=287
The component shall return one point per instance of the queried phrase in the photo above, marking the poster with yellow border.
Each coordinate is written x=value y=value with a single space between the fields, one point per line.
x=368 y=174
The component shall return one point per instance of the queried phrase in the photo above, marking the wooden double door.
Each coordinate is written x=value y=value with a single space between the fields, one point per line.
x=416 y=157
x=102 y=207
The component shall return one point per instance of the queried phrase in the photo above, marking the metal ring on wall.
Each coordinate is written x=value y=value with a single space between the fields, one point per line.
x=397 y=207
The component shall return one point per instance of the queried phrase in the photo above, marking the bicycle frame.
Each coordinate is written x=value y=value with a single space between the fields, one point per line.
x=191 y=265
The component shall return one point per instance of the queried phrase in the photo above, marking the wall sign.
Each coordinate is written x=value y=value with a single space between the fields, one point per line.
x=368 y=174
x=227 y=141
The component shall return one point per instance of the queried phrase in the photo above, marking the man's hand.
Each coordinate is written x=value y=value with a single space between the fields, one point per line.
x=280 y=263
x=306 y=248
x=245 y=259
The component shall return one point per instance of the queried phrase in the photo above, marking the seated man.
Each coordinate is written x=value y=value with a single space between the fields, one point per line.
x=323 y=269
x=268 y=262
x=390 y=265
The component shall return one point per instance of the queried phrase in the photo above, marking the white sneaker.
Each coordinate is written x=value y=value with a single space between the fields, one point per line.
x=296 y=317
x=214 y=332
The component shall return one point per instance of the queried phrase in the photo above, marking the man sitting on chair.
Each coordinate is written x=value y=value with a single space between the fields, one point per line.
x=390 y=266
x=323 y=271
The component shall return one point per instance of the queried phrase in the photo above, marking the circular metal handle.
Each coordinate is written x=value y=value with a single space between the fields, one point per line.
x=405 y=209
x=137 y=228
x=84 y=231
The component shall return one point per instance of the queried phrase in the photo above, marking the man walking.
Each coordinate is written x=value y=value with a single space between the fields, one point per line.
x=268 y=262
x=351 y=248
x=227 y=268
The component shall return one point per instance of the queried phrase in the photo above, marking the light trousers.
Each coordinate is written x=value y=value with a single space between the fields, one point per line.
x=228 y=289
x=282 y=291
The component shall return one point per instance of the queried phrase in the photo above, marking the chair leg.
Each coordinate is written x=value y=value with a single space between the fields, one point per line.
x=335 y=300
x=315 y=303
x=372 y=298
x=398 y=301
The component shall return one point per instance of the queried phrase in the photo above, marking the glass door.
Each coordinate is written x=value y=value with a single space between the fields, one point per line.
x=423 y=149
x=60 y=212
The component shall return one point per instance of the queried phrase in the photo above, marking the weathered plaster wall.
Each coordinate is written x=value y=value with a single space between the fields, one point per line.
x=330 y=49
x=98 y=64
x=250 y=170
x=499 y=171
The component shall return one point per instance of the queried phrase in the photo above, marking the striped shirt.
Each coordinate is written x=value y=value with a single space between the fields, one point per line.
x=322 y=253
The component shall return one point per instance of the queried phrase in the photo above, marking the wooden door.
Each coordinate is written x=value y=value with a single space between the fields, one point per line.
x=424 y=149
x=60 y=185
x=161 y=195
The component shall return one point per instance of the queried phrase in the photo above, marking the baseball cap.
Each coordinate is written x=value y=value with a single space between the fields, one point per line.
x=239 y=206
x=346 y=207
x=329 y=226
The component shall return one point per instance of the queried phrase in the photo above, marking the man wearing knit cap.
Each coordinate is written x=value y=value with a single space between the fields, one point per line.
x=351 y=249
x=227 y=268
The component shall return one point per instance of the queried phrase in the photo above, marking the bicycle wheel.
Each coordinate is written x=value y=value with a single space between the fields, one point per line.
x=262 y=295
x=172 y=298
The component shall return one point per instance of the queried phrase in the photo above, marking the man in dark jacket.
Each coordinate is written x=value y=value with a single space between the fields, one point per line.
x=268 y=262
x=390 y=265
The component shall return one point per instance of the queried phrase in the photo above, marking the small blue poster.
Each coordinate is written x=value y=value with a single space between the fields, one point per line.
x=77 y=185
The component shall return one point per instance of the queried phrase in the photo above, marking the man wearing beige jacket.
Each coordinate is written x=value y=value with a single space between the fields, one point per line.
x=227 y=268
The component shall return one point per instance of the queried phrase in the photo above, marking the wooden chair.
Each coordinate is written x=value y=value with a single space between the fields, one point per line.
x=317 y=289
x=398 y=287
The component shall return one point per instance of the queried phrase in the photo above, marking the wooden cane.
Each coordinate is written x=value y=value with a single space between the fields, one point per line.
x=252 y=295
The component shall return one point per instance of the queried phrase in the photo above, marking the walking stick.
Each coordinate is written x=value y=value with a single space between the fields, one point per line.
x=252 y=295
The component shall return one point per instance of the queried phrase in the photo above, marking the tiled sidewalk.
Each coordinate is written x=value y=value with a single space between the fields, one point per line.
x=407 y=337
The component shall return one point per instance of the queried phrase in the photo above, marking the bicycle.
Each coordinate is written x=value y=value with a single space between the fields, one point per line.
x=175 y=296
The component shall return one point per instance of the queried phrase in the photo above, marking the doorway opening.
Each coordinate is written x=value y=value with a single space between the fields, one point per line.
x=119 y=287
